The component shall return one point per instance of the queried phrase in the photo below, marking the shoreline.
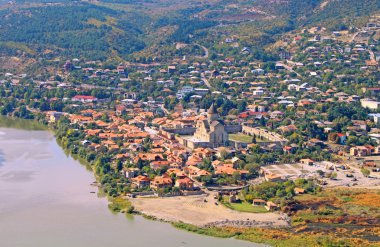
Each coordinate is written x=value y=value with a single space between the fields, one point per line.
x=204 y=211
x=280 y=235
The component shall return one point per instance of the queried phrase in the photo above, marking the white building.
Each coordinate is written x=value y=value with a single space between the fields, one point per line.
x=370 y=104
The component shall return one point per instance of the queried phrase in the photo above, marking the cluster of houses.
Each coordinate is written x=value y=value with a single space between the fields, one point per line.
x=179 y=141
x=129 y=142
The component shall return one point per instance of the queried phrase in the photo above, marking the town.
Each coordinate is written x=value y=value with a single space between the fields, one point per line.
x=224 y=132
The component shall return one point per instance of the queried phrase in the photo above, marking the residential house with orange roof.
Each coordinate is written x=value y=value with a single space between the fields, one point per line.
x=184 y=184
x=141 y=181
x=150 y=156
x=161 y=182
x=177 y=172
x=195 y=172
x=155 y=165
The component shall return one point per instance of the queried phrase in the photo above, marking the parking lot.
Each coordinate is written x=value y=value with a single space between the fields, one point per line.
x=345 y=175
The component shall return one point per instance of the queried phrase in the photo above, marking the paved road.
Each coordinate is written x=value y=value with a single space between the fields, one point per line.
x=205 y=50
x=354 y=37
x=207 y=83
x=288 y=68
x=164 y=109
x=372 y=55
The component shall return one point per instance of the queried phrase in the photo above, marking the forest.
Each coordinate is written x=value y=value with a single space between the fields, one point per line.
x=132 y=30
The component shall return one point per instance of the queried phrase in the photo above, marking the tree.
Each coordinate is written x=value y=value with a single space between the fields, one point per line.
x=236 y=176
x=119 y=165
x=254 y=141
x=333 y=137
x=130 y=209
x=223 y=154
x=365 y=172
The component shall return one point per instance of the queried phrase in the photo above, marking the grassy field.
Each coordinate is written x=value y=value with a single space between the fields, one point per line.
x=244 y=206
x=335 y=217
x=245 y=138
x=272 y=237
x=241 y=138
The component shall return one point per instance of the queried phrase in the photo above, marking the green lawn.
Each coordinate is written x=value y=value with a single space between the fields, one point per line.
x=244 y=207
x=244 y=138
x=241 y=138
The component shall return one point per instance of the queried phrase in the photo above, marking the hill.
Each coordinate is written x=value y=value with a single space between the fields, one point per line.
x=131 y=29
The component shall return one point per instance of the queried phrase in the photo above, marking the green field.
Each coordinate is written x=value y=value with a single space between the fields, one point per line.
x=244 y=138
x=244 y=207
x=241 y=138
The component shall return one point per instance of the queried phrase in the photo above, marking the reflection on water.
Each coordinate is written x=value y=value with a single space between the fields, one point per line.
x=22 y=124
x=17 y=176
x=46 y=200
x=1 y=157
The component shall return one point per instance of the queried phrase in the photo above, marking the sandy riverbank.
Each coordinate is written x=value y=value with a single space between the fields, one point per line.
x=193 y=210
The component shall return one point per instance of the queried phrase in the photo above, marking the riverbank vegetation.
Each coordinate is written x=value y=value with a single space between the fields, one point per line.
x=333 y=217
x=19 y=123
x=274 y=237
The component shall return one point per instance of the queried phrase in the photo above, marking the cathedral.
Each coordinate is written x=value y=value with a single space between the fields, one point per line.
x=211 y=130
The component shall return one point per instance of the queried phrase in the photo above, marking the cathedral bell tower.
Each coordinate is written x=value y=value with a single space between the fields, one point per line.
x=212 y=114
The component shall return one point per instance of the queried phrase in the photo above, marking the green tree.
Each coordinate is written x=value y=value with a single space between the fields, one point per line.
x=365 y=172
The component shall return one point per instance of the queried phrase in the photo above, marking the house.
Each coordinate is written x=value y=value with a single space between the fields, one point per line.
x=161 y=182
x=83 y=98
x=120 y=110
x=172 y=69
x=258 y=72
x=195 y=172
x=360 y=151
x=233 y=198
x=155 y=165
x=259 y=202
x=316 y=142
x=342 y=138
x=141 y=181
x=227 y=169
x=54 y=116
x=298 y=191
x=184 y=184
x=271 y=206
x=270 y=177
x=131 y=172
x=370 y=104
x=289 y=149
x=376 y=117
x=201 y=91
x=309 y=162
x=279 y=66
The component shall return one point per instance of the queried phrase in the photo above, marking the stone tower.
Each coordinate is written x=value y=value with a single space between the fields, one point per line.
x=212 y=114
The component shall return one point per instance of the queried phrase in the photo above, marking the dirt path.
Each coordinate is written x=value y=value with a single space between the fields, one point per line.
x=205 y=50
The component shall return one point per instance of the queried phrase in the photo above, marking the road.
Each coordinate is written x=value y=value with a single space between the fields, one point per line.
x=354 y=37
x=372 y=55
x=205 y=50
x=207 y=83
x=164 y=109
x=288 y=68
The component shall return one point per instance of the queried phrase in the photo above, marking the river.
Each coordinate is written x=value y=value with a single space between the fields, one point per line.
x=46 y=200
